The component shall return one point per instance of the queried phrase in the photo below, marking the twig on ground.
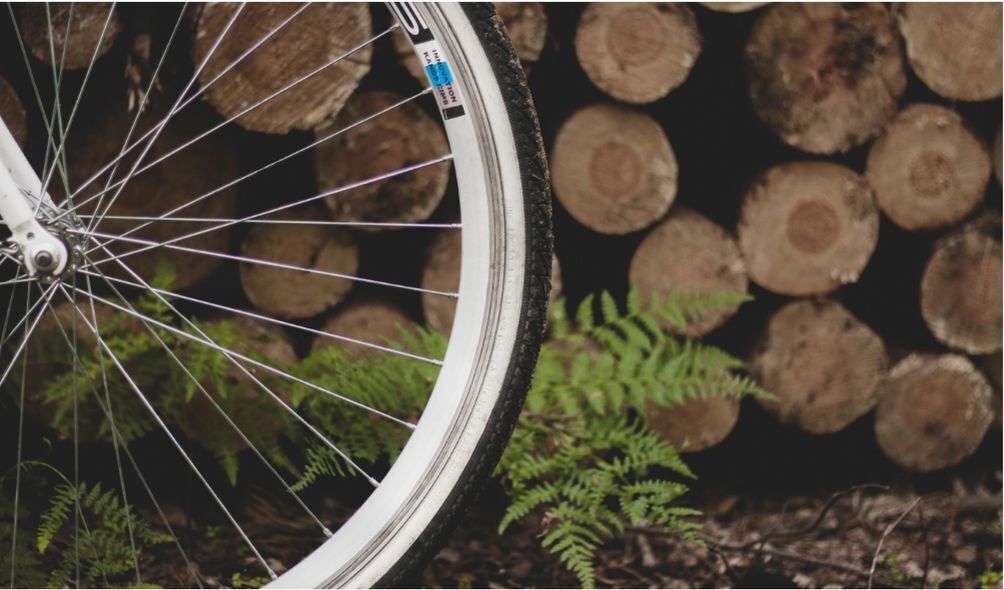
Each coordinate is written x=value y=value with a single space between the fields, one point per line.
x=888 y=530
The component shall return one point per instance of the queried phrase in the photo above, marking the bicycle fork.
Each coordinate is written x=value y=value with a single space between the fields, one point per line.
x=32 y=243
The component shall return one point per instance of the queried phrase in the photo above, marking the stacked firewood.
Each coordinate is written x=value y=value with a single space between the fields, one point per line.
x=834 y=161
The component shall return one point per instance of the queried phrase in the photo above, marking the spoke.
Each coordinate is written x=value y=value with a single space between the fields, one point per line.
x=20 y=446
x=136 y=170
x=202 y=88
x=257 y=171
x=206 y=341
x=224 y=414
x=160 y=422
x=57 y=83
x=73 y=112
x=278 y=209
x=230 y=354
x=263 y=262
x=17 y=281
x=160 y=126
x=46 y=297
x=142 y=104
x=272 y=320
x=280 y=221
x=21 y=322
x=117 y=439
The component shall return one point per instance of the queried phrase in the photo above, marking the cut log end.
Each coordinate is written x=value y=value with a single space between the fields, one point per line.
x=292 y=293
x=91 y=27
x=960 y=292
x=637 y=53
x=370 y=321
x=822 y=363
x=691 y=254
x=928 y=170
x=613 y=169
x=807 y=227
x=13 y=114
x=402 y=137
x=954 y=49
x=696 y=424
x=825 y=77
x=933 y=411
x=311 y=41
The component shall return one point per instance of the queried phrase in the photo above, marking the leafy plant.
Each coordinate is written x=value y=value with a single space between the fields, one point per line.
x=582 y=456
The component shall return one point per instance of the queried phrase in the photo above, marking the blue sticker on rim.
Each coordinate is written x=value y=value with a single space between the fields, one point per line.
x=439 y=74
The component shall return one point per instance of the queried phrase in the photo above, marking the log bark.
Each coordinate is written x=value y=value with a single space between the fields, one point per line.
x=613 y=169
x=13 y=114
x=371 y=320
x=525 y=23
x=825 y=77
x=954 y=49
x=86 y=23
x=933 y=411
x=960 y=291
x=689 y=253
x=181 y=178
x=254 y=411
x=289 y=293
x=405 y=136
x=442 y=273
x=312 y=40
x=637 y=52
x=697 y=424
x=822 y=363
x=928 y=170
x=806 y=228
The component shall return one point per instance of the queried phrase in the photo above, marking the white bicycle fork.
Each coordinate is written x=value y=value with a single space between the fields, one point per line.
x=41 y=252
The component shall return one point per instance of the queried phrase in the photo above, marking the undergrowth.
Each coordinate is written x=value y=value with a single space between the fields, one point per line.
x=582 y=461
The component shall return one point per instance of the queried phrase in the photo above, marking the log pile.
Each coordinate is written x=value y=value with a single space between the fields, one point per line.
x=833 y=161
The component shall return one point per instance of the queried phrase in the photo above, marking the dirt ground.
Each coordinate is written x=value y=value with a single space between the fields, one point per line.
x=865 y=536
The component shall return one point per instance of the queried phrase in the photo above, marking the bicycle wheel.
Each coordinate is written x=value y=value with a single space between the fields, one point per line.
x=498 y=186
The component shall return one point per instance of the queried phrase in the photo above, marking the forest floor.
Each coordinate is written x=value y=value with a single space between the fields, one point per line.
x=868 y=536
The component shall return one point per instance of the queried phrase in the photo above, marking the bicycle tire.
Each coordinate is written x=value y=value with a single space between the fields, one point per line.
x=504 y=199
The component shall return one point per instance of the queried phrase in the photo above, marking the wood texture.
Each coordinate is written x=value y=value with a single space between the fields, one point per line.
x=289 y=293
x=822 y=363
x=954 y=48
x=928 y=170
x=314 y=39
x=637 y=52
x=405 y=136
x=613 y=169
x=806 y=228
x=960 y=292
x=933 y=412
x=369 y=320
x=696 y=424
x=78 y=35
x=689 y=253
x=825 y=77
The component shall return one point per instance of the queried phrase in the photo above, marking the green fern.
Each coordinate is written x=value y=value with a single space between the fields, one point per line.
x=582 y=457
x=104 y=549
